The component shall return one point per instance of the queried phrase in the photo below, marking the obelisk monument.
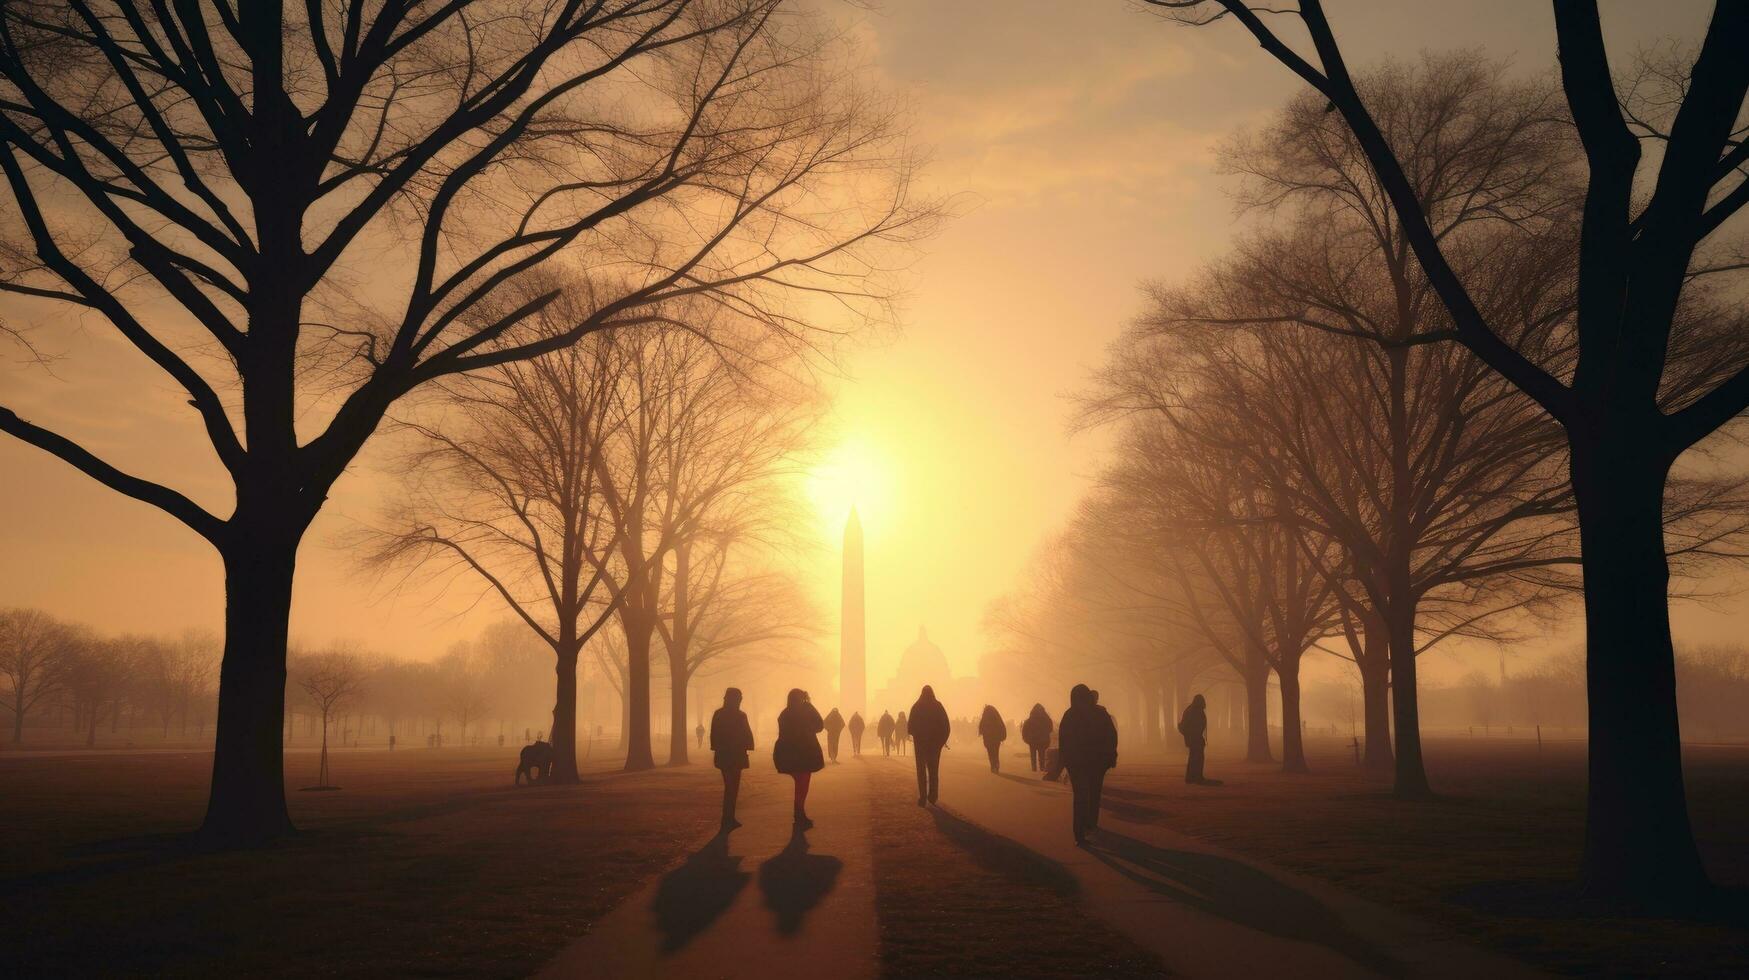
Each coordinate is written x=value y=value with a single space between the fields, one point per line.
x=852 y=657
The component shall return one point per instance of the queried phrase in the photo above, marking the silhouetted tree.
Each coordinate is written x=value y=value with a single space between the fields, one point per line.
x=34 y=658
x=330 y=680
x=1638 y=254
x=239 y=169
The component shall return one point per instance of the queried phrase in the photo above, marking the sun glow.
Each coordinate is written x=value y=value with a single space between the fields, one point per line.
x=853 y=473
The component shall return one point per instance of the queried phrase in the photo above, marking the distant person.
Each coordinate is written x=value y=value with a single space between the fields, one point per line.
x=994 y=732
x=731 y=740
x=1194 y=726
x=901 y=733
x=834 y=728
x=797 y=752
x=391 y=743
x=884 y=728
x=1035 y=731
x=698 y=733
x=857 y=725
x=929 y=729
x=1087 y=744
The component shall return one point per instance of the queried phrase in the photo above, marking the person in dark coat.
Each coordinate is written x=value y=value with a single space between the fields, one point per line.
x=929 y=728
x=901 y=733
x=1035 y=731
x=857 y=725
x=1194 y=726
x=994 y=732
x=1087 y=744
x=731 y=740
x=834 y=728
x=699 y=732
x=884 y=729
x=797 y=752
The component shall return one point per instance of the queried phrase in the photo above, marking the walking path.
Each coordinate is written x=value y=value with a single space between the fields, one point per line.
x=761 y=902
x=767 y=903
x=1205 y=911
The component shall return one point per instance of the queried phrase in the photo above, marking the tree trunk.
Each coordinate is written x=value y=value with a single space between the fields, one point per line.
x=1150 y=711
x=637 y=728
x=1411 y=771
x=247 y=800
x=677 y=734
x=18 y=716
x=1257 y=709
x=1293 y=747
x=91 y=732
x=565 y=715
x=1639 y=847
x=1375 y=695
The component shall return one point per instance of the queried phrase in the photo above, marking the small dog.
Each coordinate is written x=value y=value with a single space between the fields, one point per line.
x=536 y=763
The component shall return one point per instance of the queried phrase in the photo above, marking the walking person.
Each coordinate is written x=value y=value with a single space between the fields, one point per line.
x=699 y=734
x=834 y=728
x=731 y=740
x=884 y=729
x=929 y=733
x=1194 y=726
x=994 y=732
x=901 y=733
x=856 y=728
x=797 y=752
x=1087 y=745
x=1035 y=731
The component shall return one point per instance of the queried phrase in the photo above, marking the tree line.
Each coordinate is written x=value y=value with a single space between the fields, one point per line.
x=1327 y=440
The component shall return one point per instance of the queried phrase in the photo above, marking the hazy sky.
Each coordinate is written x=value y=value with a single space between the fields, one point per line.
x=1080 y=137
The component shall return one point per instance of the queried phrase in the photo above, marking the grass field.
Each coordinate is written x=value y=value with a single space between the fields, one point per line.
x=1494 y=855
x=429 y=862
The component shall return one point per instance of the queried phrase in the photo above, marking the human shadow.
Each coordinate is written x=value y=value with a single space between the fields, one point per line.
x=693 y=895
x=795 y=881
x=1035 y=783
x=1239 y=893
x=1005 y=857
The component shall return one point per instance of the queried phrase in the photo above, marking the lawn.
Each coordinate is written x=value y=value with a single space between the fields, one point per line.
x=1494 y=855
x=427 y=862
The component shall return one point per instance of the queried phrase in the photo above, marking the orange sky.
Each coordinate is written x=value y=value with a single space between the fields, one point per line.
x=1080 y=137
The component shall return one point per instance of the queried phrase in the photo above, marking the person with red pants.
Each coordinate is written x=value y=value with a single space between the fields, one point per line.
x=797 y=752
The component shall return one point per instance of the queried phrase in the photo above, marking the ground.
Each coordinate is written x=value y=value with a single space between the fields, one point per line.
x=429 y=862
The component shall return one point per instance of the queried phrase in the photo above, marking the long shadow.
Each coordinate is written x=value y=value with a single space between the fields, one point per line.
x=795 y=881
x=1118 y=792
x=1005 y=857
x=695 y=894
x=1238 y=893
x=1035 y=783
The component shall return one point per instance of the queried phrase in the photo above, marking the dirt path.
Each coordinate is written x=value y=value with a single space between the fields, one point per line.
x=762 y=902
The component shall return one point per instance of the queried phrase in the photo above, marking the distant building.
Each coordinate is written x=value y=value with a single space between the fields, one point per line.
x=853 y=640
x=924 y=663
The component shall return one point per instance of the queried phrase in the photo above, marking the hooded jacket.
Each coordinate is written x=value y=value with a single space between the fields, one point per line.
x=1087 y=738
x=928 y=721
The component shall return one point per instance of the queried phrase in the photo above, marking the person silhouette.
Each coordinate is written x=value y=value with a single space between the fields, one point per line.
x=929 y=728
x=1035 y=731
x=731 y=740
x=884 y=728
x=797 y=751
x=1087 y=745
x=994 y=732
x=856 y=728
x=1194 y=726
x=699 y=734
x=901 y=733
x=834 y=728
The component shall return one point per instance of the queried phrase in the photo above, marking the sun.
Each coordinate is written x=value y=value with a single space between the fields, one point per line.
x=854 y=473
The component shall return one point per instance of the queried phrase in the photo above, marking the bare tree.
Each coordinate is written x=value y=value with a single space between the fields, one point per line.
x=33 y=660
x=331 y=681
x=96 y=676
x=247 y=171
x=1638 y=255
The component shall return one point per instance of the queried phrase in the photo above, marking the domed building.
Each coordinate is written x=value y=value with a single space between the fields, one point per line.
x=924 y=663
